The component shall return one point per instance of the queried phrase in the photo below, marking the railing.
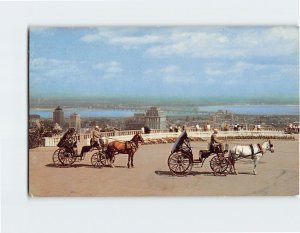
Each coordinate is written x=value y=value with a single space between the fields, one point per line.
x=155 y=134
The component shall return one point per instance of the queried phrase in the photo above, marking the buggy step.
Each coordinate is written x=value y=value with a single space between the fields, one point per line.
x=197 y=161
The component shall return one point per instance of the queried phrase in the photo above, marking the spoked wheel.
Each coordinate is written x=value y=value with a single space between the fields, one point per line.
x=66 y=158
x=105 y=161
x=180 y=163
x=96 y=160
x=219 y=164
x=55 y=158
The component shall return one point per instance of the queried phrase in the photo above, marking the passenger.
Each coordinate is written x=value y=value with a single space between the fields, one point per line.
x=69 y=141
x=214 y=141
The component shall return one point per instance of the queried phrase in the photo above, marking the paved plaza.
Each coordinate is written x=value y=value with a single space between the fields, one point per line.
x=277 y=174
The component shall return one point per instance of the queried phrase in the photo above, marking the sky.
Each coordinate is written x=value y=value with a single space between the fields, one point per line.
x=164 y=62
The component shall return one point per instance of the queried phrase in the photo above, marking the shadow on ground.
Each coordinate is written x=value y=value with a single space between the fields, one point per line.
x=81 y=165
x=192 y=173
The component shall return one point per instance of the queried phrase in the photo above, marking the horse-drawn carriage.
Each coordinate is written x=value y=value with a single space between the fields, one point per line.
x=181 y=159
x=65 y=156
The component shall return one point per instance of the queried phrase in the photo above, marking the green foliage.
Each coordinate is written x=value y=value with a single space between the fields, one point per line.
x=40 y=129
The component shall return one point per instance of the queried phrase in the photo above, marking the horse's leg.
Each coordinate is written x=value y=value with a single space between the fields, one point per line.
x=110 y=154
x=255 y=161
x=232 y=161
x=231 y=164
x=132 y=160
x=128 y=163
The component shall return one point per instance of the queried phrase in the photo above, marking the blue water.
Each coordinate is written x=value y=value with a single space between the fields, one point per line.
x=238 y=109
x=46 y=113
x=254 y=109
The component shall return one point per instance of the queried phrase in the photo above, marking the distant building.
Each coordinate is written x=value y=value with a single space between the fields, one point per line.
x=155 y=119
x=135 y=123
x=75 y=122
x=34 y=119
x=58 y=116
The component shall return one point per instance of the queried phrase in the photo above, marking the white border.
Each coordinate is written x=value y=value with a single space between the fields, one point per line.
x=22 y=214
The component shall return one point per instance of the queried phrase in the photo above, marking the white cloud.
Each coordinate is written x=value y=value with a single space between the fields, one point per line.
x=54 y=67
x=240 y=68
x=171 y=74
x=112 y=67
x=121 y=38
x=199 y=42
x=42 y=31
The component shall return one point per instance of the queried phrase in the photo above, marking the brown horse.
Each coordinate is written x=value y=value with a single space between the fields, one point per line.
x=128 y=147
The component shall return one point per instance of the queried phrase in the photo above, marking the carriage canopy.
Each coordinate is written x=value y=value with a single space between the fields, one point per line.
x=179 y=141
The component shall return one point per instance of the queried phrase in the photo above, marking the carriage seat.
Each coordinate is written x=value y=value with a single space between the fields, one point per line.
x=215 y=149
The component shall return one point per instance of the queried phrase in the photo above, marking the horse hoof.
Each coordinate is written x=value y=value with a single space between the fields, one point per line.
x=132 y=166
x=112 y=166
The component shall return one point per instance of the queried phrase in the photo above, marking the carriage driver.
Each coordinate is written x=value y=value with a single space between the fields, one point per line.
x=214 y=141
x=96 y=140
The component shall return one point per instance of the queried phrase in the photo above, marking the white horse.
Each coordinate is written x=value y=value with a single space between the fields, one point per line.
x=253 y=151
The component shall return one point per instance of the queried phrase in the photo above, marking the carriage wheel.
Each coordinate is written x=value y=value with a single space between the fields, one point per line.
x=96 y=159
x=219 y=164
x=65 y=157
x=106 y=161
x=180 y=163
x=55 y=158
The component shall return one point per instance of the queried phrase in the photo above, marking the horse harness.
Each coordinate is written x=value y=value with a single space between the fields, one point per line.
x=130 y=145
x=260 y=151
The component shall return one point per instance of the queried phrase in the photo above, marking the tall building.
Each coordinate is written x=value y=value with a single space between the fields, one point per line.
x=74 y=121
x=58 y=116
x=155 y=119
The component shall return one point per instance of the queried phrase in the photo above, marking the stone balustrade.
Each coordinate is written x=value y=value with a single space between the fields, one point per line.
x=156 y=134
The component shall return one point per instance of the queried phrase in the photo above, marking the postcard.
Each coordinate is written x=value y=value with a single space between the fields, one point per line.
x=163 y=111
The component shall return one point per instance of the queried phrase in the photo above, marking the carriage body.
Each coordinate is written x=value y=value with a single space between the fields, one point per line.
x=181 y=159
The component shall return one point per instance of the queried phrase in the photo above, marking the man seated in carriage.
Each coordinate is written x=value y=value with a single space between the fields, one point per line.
x=215 y=142
x=96 y=140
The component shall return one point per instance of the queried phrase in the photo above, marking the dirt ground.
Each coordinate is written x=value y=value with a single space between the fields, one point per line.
x=277 y=174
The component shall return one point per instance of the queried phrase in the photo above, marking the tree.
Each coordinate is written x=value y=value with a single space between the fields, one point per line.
x=41 y=129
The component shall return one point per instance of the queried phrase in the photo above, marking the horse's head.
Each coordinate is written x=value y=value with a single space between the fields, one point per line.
x=137 y=138
x=269 y=146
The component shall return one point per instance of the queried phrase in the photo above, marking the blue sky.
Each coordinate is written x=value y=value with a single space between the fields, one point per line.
x=179 y=62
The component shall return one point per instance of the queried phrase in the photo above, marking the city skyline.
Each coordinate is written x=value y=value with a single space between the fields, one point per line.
x=164 y=62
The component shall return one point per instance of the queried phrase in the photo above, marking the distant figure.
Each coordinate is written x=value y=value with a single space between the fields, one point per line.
x=147 y=130
x=197 y=127
x=171 y=129
x=258 y=128
x=208 y=127
x=143 y=130
x=235 y=127
x=175 y=129
x=214 y=141
x=179 y=129
x=242 y=127
x=226 y=127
